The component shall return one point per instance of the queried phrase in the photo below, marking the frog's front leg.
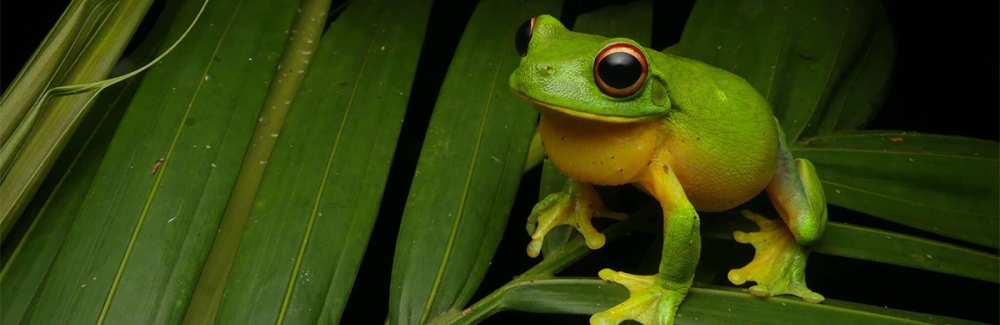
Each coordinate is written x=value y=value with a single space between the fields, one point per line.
x=574 y=205
x=654 y=299
x=779 y=263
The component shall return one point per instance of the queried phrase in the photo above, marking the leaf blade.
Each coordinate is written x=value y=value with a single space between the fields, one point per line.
x=630 y=20
x=913 y=179
x=798 y=55
x=863 y=92
x=478 y=130
x=320 y=194
x=183 y=215
x=294 y=58
x=34 y=145
x=24 y=272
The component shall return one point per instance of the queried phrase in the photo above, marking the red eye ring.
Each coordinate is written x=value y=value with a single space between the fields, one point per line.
x=620 y=70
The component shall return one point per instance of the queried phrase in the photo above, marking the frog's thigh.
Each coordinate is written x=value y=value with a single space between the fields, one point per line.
x=798 y=196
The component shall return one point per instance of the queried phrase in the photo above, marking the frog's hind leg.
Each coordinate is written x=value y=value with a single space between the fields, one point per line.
x=779 y=264
x=798 y=195
x=654 y=299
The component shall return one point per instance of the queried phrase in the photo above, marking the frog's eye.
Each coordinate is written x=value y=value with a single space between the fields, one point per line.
x=620 y=69
x=523 y=36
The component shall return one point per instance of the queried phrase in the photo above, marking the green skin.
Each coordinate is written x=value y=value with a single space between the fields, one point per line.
x=730 y=123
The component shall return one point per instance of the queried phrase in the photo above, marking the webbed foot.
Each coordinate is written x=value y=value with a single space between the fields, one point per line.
x=574 y=205
x=649 y=302
x=779 y=263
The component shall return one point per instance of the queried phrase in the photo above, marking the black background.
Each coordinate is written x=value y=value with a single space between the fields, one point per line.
x=946 y=80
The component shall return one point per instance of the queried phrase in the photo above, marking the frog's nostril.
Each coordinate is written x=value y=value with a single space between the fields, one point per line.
x=546 y=70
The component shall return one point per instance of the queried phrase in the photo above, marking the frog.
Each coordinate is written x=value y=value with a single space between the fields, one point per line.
x=697 y=138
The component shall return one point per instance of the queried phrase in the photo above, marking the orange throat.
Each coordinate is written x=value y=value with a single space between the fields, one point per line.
x=597 y=152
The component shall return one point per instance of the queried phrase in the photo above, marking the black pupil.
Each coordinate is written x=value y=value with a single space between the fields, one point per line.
x=522 y=37
x=619 y=70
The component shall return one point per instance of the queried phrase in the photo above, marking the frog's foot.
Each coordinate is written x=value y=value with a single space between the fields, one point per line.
x=574 y=207
x=649 y=303
x=779 y=264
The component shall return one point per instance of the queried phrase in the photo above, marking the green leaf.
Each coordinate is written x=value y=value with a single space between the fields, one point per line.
x=468 y=171
x=42 y=124
x=317 y=202
x=861 y=94
x=37 y=238
x=942 y=184
x=879 y=246
x=706 y=305
x=294 y=60
x=50 y=62
x=631 y=20
x=899 y=249
x=35 y=242
x=137 y=243
x=801 y=56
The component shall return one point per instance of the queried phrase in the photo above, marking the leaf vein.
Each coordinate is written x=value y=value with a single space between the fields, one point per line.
x=322 y=186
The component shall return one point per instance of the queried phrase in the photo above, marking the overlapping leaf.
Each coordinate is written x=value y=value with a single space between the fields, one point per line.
x=37 y=238
x=942 y=184
x=468 y=170
x=316 y=206
x=86 y=45
x=150 y=231
x=293 y=61
x=803 y=56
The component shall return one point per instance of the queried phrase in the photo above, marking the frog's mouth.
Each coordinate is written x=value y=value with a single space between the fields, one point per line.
x=545 y=108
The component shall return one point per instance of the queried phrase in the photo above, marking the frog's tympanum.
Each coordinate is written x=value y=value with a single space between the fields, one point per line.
x=695 y=137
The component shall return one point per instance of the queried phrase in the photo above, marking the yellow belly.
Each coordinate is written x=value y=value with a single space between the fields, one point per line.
x=717 y=172
x=598 y=152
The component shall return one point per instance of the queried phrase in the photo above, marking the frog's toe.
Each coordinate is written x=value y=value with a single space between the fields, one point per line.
x=779 y=263
x=572 y=209
x=649 y=303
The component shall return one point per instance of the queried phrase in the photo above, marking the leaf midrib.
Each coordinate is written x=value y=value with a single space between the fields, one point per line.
x=465 y=193
x=322 y=186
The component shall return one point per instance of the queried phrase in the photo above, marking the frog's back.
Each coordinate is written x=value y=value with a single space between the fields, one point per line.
x=721 y=134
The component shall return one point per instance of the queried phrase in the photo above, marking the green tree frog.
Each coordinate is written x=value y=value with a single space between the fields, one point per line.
x=695 y=137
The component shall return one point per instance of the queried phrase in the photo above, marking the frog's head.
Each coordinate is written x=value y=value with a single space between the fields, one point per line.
x=587 y=76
